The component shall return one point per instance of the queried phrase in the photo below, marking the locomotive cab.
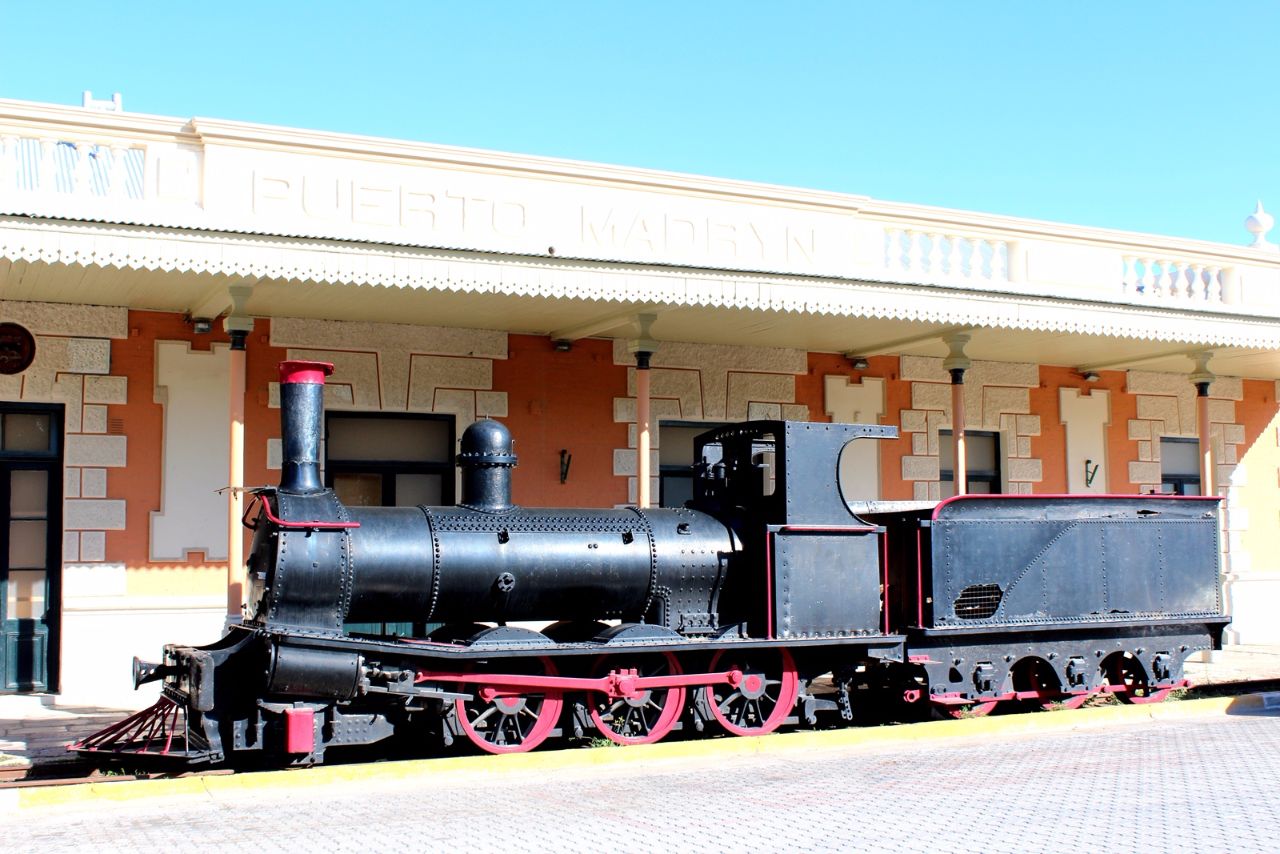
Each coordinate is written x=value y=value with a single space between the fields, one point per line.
x=811 y=567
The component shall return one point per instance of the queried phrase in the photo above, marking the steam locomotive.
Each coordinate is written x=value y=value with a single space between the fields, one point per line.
x=765 y=601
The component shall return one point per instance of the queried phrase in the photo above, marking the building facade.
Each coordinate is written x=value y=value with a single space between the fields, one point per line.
x=153 y=272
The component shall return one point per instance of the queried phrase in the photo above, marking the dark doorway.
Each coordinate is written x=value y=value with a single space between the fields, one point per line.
x=30 y=545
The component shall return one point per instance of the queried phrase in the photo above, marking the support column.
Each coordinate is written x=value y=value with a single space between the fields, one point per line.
x=643 y=427
x=957 y=431
x=1203 y=379
x=956 y=364
x=238 y=327
x=643 y=348
x=235 y=495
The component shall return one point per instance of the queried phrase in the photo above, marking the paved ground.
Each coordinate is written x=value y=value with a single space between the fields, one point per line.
x=1239 y=663
x=1202 y=784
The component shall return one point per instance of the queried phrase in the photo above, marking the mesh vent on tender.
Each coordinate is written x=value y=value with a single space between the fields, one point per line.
x=978 y=601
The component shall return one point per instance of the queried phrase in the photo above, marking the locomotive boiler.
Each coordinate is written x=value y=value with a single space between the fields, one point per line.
x=485 y=560
x=768 y=600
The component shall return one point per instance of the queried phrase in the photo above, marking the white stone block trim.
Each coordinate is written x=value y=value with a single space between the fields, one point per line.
x=997 y=398
x=1166 y=406
x=192 y=386
x=705 y=382
x=399 y=368
x=73 y=367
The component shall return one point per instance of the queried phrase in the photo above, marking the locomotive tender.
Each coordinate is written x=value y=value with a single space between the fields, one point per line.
x=729 y=612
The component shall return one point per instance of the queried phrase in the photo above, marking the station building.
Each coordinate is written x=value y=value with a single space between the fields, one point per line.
x=154 y=271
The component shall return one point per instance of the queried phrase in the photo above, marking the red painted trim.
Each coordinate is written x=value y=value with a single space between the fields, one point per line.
x=618 y=683
x=137 y=733
x=301 y=371
x=299 y=730
x=547 y=716
x=768 y=584
x=919 y=579
x=884 y=579
x=673 y=704
x=788 y=690
x=1107 y=497
x=800 y=529
x=315 y=523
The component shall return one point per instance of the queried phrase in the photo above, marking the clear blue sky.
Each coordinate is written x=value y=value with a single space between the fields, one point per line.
x=1148 y=116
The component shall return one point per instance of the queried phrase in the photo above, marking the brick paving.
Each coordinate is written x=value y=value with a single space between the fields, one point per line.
x=1205 y=784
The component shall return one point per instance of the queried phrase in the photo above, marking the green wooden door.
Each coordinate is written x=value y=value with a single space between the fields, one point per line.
x=30 y=548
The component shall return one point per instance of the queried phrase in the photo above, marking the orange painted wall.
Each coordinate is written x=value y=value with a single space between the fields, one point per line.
x=1121 y=450
x=138 y=483
x=563 y=401
x=810 y=391
x=142 y=420
x=1260 y=457
x=1051 y=445
x=1256 y=410
x=260 y=421
x=555 y=400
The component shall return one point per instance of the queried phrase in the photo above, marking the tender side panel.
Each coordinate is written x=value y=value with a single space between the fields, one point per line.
x=1069 y=560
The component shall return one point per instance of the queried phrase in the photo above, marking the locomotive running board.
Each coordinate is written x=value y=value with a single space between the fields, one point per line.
x=884 y=647
x=1134 y=625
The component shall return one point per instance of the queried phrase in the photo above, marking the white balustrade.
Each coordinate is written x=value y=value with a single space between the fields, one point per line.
x=935 y=256
x=1147 y=279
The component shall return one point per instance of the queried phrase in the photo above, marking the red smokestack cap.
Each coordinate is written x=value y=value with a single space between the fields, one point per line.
x=300 y=371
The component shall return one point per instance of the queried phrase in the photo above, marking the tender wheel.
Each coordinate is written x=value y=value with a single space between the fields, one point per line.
x=498 y=720
x=647 y=717
x=761 y=701
x=1127 y=671
x=1035 y=674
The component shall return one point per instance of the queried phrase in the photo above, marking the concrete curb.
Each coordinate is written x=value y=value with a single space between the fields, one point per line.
x=443 y=771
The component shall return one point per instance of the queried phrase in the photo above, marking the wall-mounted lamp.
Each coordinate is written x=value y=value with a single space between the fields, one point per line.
x=562 y=345
x=201 y=325
x=858 y=363
x=1090 y=376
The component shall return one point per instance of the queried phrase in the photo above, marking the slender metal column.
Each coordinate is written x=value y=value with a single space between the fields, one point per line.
x=238 y=326
x=1202 y=379
x=956 y=364
x=957 y=430
x=235 y=495
x=1207 y=486
x=643 y=427
x=643 y=347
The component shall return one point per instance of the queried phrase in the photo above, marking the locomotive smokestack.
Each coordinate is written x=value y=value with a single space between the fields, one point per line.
x=486 y=460
x=301 y=412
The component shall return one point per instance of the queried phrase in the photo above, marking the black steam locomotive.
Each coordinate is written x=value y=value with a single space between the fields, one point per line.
x=766 y=601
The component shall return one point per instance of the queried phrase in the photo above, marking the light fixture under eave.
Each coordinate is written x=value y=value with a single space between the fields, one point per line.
x=858 y=363
x=1090 y=376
